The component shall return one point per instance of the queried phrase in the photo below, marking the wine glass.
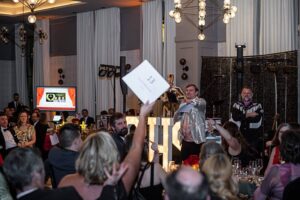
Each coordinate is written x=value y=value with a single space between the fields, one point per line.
x=236 y=165
x=260 y=165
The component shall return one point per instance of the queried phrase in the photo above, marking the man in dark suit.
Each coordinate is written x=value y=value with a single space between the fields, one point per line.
x=25 y=172
x=119 y=131
x=8 y=138
x=16 y=104
x=86 y=118
x=61 y=160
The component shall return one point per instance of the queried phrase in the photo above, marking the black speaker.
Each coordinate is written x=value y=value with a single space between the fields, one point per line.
x=239 y=51
x=239 y=54
x=123 y=72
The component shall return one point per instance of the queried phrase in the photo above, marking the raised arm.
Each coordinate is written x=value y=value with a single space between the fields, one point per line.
x=271 y=160
x=232 y=142
x=133 y=158
x=154 y=147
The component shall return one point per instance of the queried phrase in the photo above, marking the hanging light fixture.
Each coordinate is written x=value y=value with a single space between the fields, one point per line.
x=7 y=36
x=227 y=11
x=4 y=36
x=32 y=5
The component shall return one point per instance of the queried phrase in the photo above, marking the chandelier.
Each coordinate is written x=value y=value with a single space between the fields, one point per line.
x=227 y=11
x=32 y=5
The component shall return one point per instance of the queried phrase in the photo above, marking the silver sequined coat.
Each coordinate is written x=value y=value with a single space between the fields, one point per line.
x=196 y=116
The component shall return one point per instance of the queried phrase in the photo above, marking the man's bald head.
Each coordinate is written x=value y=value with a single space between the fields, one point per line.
x=186 y=183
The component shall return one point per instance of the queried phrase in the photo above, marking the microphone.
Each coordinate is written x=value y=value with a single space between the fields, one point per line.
x=219 y=76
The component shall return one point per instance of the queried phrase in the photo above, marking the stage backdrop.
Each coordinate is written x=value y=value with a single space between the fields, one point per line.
x=264 y=74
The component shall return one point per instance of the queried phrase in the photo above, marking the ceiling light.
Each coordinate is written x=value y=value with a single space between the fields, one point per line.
x=32 y=19
x=32 y=5
x=184 y=9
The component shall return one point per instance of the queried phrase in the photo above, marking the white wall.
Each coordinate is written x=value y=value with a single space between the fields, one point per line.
x=68 y=64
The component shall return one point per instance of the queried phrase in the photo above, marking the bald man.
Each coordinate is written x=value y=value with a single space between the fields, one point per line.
x=186 y=183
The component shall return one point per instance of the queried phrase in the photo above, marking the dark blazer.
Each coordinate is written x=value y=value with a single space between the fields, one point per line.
x=89 y=121
x=12 y=105
x=57 y=194
x=291 y=190
x=3 y=150
x=120 y=145
x=40 y=132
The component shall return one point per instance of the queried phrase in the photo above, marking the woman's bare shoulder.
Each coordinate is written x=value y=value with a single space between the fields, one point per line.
x=70 y=179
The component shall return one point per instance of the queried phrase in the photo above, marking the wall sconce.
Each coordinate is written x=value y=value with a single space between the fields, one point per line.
x=4 y=35
x=185 y=68
x=61 y=76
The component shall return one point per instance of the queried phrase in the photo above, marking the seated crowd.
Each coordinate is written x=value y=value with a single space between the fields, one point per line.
x=114 y=164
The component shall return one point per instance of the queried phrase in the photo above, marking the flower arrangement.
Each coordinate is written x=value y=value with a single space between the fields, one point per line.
x=193 y=161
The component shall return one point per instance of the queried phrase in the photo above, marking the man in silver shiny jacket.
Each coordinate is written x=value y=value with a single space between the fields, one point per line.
x=191 y=113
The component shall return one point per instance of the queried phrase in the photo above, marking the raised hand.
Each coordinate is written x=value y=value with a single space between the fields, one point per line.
x=146 y=108
x=154 y=146
x=116 y=175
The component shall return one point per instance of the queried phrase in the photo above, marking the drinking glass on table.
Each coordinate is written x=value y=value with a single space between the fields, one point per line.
x=236 y=165
x=260 y=165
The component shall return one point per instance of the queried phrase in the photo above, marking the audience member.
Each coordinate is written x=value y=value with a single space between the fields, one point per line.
x=4 y=189
x=275 y=153
x=186 y=184
x=12 y=120
x=119 y=131
x=89 y=121
x=99 y=157
x=8 y=138
x=64 y=117
x=62 y=159
x=291 y=191
x=234 y=142
x=24 y=170
x=111 y=111
x=25 y=132
x=41 y=127
x=16 y=104
x=208 y=149
x=34 y=119
x=36 y=110
x=152 y=175
x=218 y=169
x=280 y=175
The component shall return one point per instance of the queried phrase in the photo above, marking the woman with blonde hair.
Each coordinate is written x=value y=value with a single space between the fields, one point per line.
x=25 y=132
x=208 y=149
x=219 y=172
x=99 y=174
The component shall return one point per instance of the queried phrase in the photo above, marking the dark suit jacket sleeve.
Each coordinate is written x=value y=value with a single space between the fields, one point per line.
x=2 y=143
x=90 y=120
